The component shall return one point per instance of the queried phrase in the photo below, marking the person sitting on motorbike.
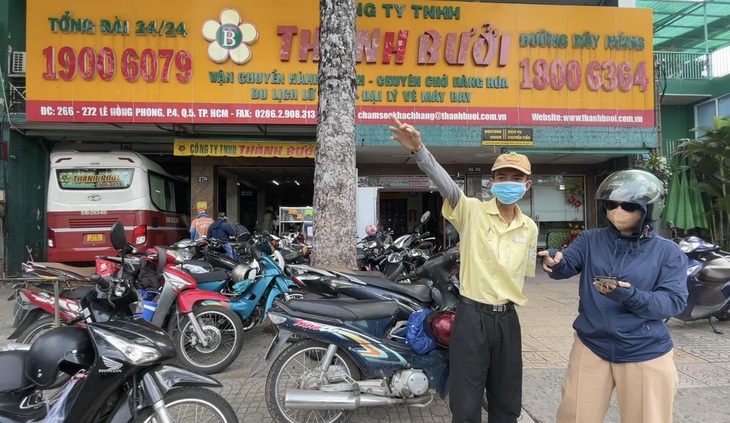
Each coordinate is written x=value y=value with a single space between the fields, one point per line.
x=621 y=339
x=223 y=231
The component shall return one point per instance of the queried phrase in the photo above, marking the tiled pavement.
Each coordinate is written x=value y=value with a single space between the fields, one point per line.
x=703 y=360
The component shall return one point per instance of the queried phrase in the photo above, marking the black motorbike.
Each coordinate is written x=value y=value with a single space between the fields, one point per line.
x=406 y=253
x=113 y=372
x=372 y=250
x=434 y=284
x=708 y=281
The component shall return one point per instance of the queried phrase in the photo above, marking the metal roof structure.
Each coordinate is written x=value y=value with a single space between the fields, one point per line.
x=690 y=26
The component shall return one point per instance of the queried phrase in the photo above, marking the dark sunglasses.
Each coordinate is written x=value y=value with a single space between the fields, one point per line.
x=629 y=207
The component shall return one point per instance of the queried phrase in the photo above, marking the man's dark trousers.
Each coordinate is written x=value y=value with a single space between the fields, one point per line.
x=485 y=351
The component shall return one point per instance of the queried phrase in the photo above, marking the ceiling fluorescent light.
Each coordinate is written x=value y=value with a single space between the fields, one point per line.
x=275 y=183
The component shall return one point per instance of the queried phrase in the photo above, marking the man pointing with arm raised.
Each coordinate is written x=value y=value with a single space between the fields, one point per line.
x=497 y=252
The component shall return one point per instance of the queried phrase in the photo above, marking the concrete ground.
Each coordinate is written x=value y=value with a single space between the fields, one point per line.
x=702 y=357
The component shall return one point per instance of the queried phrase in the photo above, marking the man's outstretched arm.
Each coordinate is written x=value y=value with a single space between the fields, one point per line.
x=410 y=139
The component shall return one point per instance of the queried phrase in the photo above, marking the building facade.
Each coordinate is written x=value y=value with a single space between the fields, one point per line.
x=224 y=93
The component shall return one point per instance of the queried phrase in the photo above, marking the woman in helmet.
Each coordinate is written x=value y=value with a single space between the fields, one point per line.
x=630 y=281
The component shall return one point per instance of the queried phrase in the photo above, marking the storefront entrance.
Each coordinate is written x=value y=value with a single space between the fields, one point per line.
x=245 y=193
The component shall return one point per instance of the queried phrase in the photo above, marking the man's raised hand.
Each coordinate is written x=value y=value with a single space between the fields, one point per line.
x=406 y=135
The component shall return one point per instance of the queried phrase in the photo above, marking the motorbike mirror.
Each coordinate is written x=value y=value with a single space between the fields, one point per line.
x=670 y=225
x=118 y=237
x=425 y=216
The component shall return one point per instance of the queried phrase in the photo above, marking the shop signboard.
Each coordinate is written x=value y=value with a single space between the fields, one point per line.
x=427 y=62
x=211 y=148
x=507 y=136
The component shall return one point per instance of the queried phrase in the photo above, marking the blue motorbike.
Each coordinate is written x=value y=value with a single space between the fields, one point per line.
x=351 y=357
x=256 y=280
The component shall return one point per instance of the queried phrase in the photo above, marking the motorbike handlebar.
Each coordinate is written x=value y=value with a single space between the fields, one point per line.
x=104 y=283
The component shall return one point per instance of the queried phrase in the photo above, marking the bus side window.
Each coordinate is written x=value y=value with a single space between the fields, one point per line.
x=157 y=191
x=169 y=196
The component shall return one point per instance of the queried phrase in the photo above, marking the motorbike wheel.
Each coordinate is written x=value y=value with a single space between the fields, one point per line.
x=294 y=368
x=225 y=331
x=35 y=329
x=192 y=405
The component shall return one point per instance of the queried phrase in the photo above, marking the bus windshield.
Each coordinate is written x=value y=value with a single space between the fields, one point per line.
x=94 y=178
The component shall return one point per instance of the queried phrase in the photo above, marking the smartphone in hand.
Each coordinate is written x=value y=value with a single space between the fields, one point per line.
x=609 y=282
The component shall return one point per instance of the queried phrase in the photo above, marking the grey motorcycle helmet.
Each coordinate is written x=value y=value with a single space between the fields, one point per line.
x=633 y=186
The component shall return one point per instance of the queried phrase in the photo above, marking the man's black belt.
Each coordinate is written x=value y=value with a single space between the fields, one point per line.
x=488 y=307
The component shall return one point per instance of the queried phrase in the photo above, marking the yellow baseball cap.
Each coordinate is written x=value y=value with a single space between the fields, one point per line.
x=513 y=160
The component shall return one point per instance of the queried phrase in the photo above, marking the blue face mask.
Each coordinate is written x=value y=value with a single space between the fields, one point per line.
x=508 y=192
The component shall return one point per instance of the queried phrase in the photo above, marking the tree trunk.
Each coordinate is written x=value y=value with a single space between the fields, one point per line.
x=335 y=174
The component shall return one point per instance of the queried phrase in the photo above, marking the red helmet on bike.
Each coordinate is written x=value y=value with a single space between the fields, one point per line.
x=438 y=324
x=371 y=230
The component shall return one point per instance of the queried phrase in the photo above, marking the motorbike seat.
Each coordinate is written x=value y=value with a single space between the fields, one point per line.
x=200 y=263
x=72 y=294
x=12 y=367
x=418 y=291
x=346 y=310
x=717 y=270
x=214 y=276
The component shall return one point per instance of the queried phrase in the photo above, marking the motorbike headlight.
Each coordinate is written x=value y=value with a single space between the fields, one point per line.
x=135 y=353
x=371 y=244
x=396 y=257
x=415 y=253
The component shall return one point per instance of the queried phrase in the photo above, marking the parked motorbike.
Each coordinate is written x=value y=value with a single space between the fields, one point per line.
x=207 y=255
x=250 y=283
x=208 y=335
x=255 y=281
x=34 y=302
x=404 y=255
x=351 y=358
x=708 y=281
x=113 y=372
x=435 y=284
x=371 y=250
x=291 y=252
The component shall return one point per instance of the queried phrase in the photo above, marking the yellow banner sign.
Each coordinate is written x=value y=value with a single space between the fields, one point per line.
x=244 y=149
x=428 y=62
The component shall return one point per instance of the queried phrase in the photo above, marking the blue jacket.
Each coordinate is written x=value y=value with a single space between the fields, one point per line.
x=626 y=325
x=222 y=230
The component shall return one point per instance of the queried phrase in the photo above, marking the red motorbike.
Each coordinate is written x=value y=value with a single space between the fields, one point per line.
x=207 y=333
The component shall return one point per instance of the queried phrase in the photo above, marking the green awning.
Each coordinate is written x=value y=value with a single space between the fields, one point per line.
x=679 y=25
